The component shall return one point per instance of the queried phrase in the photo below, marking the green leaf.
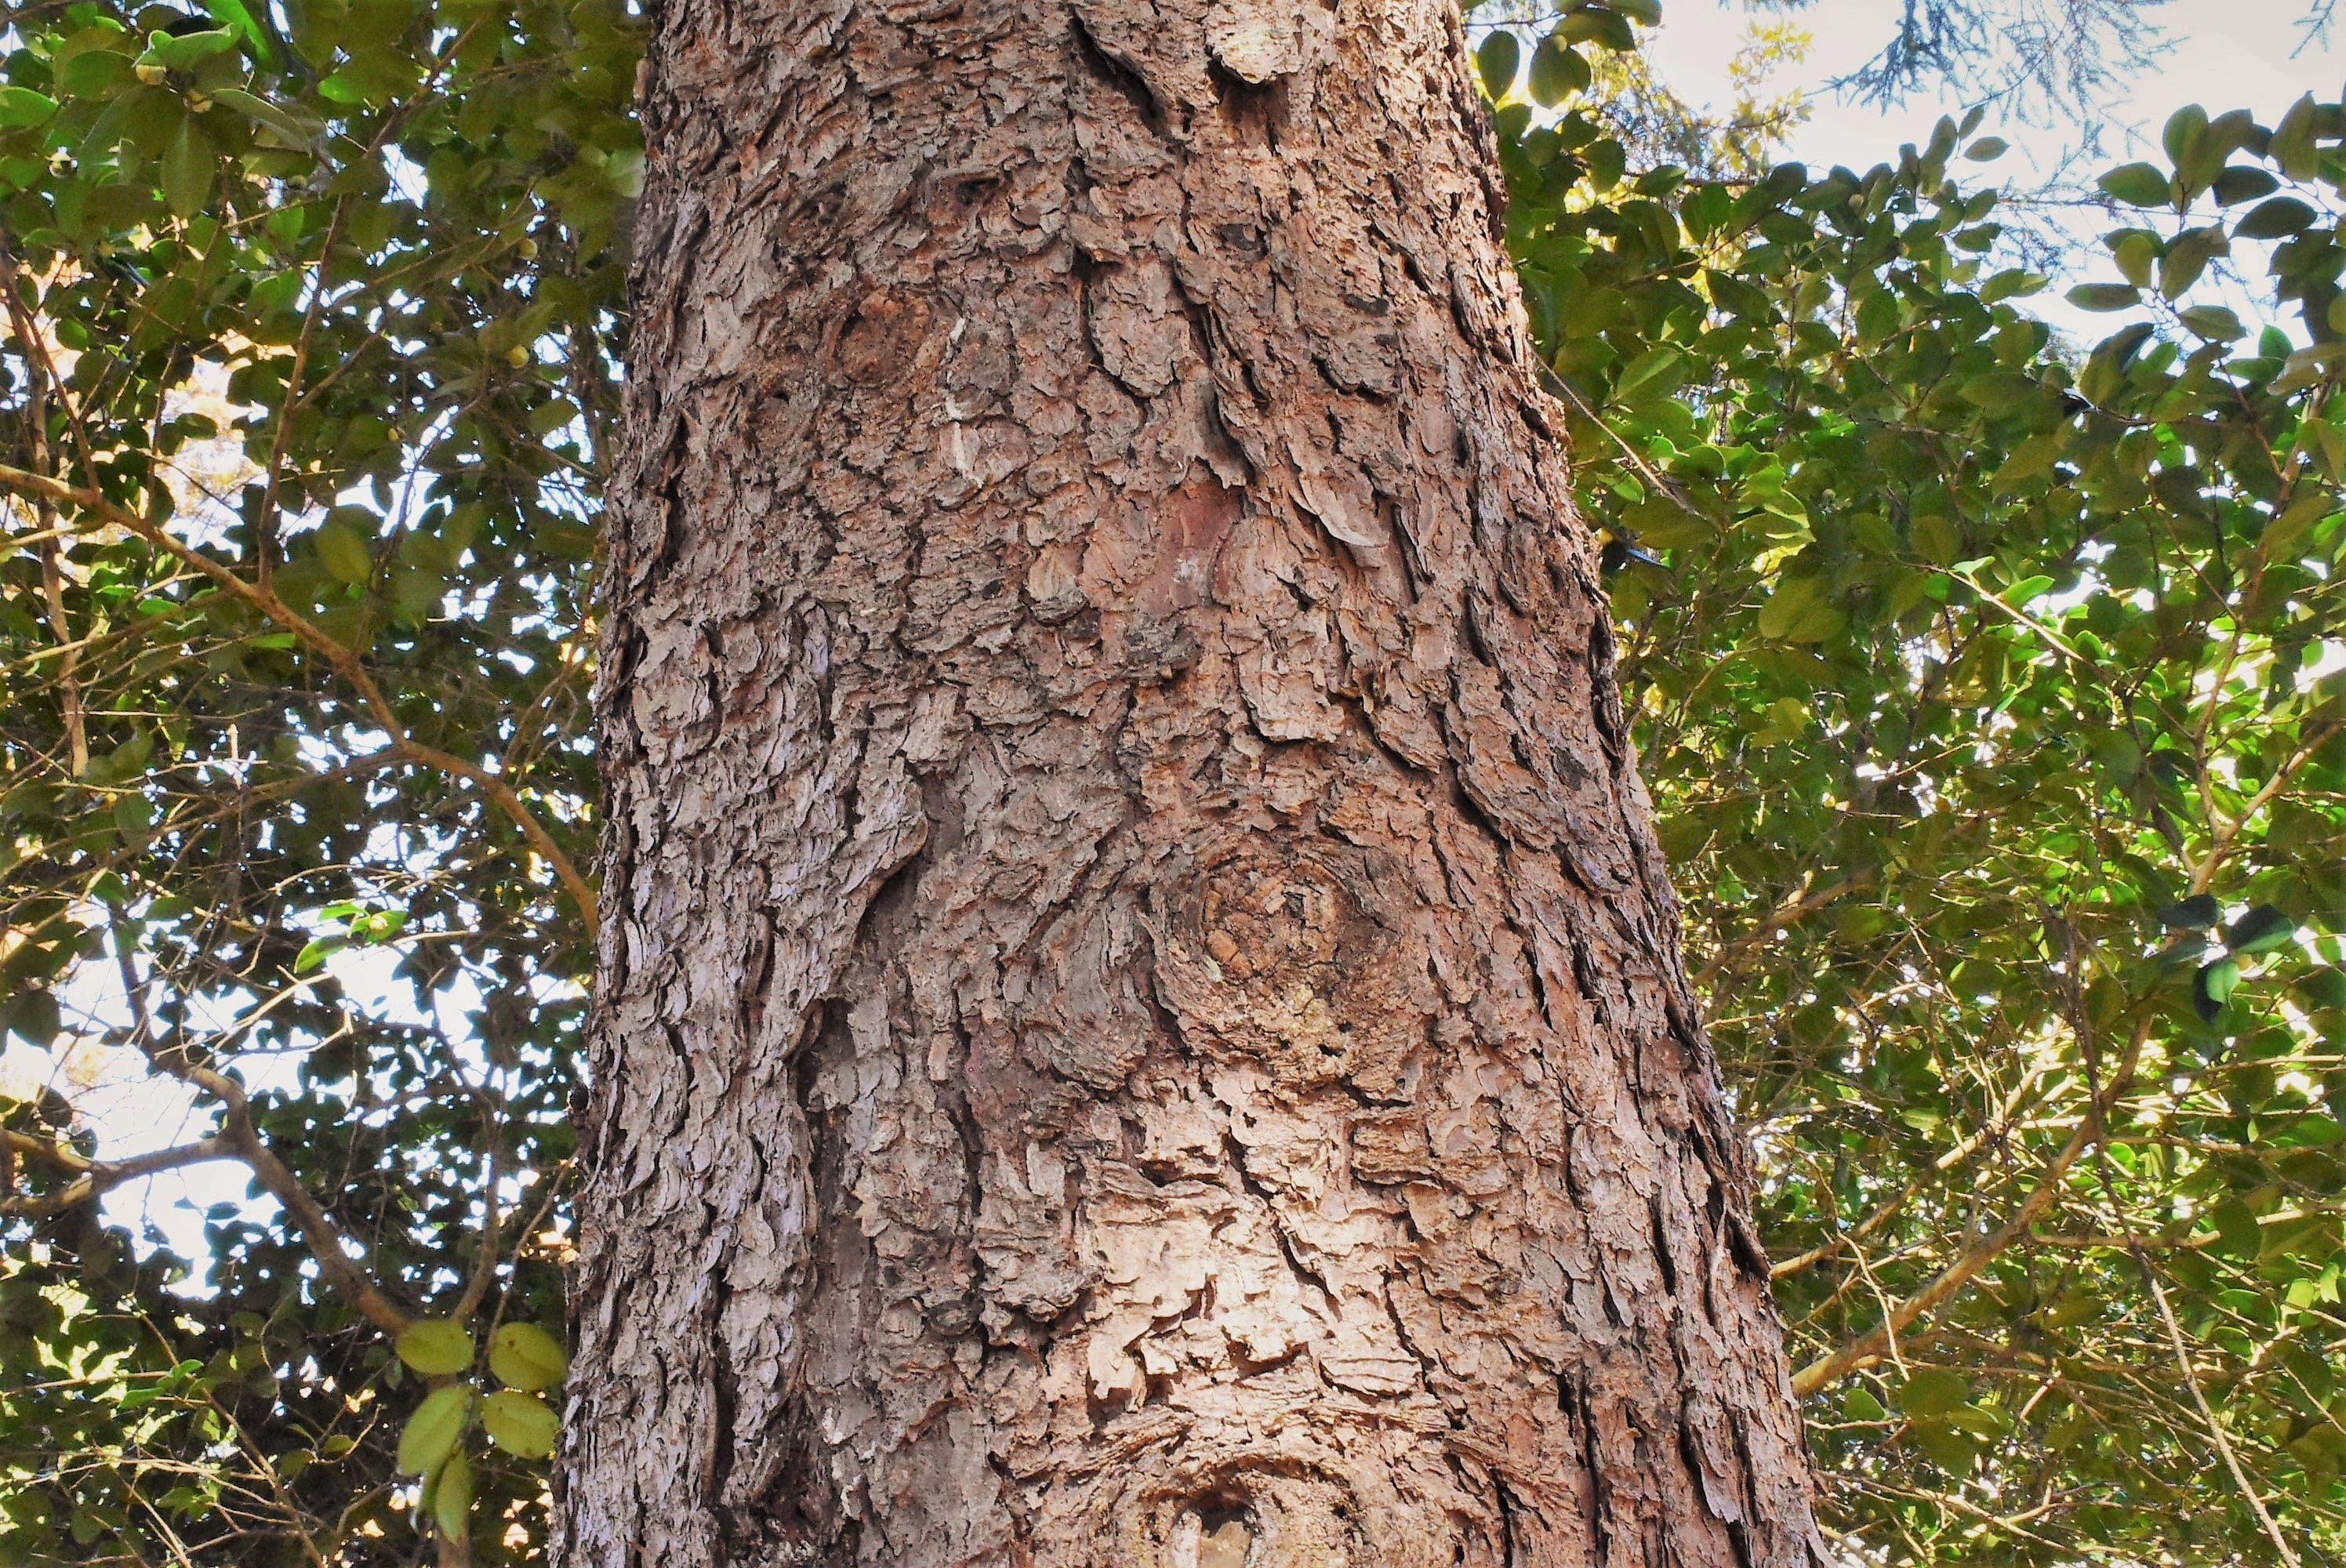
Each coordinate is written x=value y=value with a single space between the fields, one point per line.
x=188 y=50
x=2184 y=131
x=2214 y=322
x=1986 y=149
x=1948 y=1446
x=2187 y=255
x=1932 y=1390
x=436 y=1347
x=295 y=131
x=344 y=549
x=2213 y=986
x=2283 y=534
x=2032 y=457
x=1598 y=25
x=1496 y=62
x=525 y=1355
x=2012 y=283
x=22 y=106
x=2196 y=913
x=187 y=167
x=451 y=1496
x=521 y=1424
x=1557 y=72
x=2071 y=1307
x=2138 y=185
x=432 y=1432
x=1862 y=1406
x=1798 y=612
x=1999 y=392
x=2261 y=929
x=2275 y=219
x=2240 y=183
x=1606 y=159
x=2020 y=593
x=1647 y=11
x=2292 y=141
x=2104 y=296
x=133 y=815
x=258 y=35
x=2137 y=252
x=1652 y=374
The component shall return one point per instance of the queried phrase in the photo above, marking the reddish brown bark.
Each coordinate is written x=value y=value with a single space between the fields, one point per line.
x=1140 y=1018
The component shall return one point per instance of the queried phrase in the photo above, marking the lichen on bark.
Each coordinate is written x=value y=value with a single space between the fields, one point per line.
x=1140 y=1018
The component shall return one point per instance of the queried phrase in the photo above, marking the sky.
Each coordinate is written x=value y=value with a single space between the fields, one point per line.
x=2225 y=54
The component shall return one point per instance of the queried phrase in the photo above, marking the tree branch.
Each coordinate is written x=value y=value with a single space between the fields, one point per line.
x=340 y=659
x=1791 y=911
x=1872 y=1346
x=95 y=1178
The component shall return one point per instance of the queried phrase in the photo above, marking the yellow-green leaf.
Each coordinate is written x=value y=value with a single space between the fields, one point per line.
x=525 y=1355
x=2104 y=296
x=433 y=1431
x=451 y=1495
x=345 y=551
x=22 y=106
x=1931 y=1391
x=436 y=1346
x=2138 y=185
x=520 y=1423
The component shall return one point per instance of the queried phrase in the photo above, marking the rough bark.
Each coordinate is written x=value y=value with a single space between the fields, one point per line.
x=1140 y=1016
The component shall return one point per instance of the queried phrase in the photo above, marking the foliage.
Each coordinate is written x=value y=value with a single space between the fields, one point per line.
x=1991 y=695
x=1988 y=687
x=309 y=359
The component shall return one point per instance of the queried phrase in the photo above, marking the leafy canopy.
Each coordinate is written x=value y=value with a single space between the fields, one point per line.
x=1988 y=686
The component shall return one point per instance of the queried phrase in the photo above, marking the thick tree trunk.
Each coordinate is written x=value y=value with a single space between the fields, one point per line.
x=1140 y=1018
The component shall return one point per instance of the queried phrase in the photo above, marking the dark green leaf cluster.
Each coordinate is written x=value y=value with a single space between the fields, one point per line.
x=1993 y=692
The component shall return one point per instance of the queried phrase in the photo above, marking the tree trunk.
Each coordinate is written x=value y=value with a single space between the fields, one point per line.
x=1140 y=1017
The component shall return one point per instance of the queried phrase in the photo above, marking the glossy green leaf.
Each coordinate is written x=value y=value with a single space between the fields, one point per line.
x=2242 y=183
x=22 y=106
x=451 y=1495
x=2196 y=913
x=345 y=550
x=2105 y=296
x=2213 y=986
x=187 y=169
x=1557 y=72
x=2262 y=929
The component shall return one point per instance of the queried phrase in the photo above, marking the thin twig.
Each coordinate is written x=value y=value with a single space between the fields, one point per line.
x=340 y=659
x=2081 y=1026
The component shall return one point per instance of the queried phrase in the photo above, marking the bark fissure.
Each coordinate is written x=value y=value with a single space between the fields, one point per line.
x=1141 y=1020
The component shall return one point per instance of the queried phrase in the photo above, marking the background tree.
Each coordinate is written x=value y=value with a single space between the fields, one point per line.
x=1810 y=394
